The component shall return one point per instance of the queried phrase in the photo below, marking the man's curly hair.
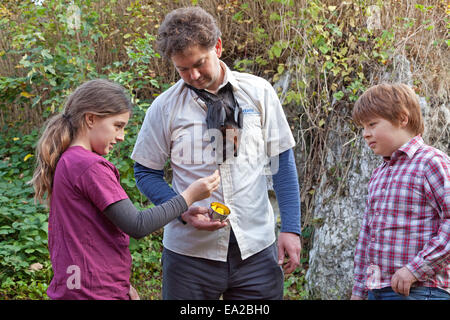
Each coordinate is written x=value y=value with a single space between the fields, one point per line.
x=186 y=27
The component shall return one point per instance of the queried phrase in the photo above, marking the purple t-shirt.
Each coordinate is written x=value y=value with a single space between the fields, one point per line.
x=89 y=254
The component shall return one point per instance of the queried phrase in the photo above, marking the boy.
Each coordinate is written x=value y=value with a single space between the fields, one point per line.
x=403 y=250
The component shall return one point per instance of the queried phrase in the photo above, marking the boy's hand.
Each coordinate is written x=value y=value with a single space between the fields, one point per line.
x=402 y=280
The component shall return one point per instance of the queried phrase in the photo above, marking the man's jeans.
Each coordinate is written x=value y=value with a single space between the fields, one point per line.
x=415 y=293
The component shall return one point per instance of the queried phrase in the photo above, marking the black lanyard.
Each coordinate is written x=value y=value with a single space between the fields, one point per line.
x=223 y=108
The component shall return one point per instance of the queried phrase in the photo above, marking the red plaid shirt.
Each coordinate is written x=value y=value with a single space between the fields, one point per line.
x=406 y=221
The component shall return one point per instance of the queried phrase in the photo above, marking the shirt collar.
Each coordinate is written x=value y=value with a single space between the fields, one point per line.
x=409 y=148
x=227 y=77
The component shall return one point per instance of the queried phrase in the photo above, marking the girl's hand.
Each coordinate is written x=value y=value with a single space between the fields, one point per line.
x=133 y=294
x=201 y=188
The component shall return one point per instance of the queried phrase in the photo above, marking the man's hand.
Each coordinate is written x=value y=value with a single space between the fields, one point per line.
x=289 y=245
x=354 y=297
x=402 y=280
x=198 y=217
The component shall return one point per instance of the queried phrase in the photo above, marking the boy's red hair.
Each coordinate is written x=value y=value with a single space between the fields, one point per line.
x=390 y=102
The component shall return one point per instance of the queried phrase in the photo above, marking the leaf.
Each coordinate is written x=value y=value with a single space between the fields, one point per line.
x=28 y=156
x=39 y=35
x=50 y=69
x=36 y=101
x=36 y=266
x=274 y=17
x=238 y=16
x=352 y=22
x=26 y=94
x=329 y=65
x=46 y=54
x=338 y=95
x=276 y=51
x=324 y=49
x=321 y=122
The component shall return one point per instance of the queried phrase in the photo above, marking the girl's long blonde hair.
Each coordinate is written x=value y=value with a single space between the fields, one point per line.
x=100 y=97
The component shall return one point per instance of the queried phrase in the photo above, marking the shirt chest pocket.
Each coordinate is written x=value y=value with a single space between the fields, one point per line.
x=407 y=193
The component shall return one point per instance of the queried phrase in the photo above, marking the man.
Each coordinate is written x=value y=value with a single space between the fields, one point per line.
x=213 y=118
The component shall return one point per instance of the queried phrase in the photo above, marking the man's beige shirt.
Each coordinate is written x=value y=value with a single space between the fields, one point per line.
x=174 y=129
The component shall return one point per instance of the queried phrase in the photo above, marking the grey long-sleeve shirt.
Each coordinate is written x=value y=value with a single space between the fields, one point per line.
x=138 y=224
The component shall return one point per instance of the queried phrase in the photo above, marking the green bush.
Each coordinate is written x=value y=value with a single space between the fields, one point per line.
x=23 y=224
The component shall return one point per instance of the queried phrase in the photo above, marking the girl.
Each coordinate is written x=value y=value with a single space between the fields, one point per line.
x=91 y=217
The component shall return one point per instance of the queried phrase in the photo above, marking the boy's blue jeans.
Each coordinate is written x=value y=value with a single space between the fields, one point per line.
x=415 y=293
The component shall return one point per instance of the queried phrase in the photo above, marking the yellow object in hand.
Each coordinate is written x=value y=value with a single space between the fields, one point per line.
x=219 y=211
